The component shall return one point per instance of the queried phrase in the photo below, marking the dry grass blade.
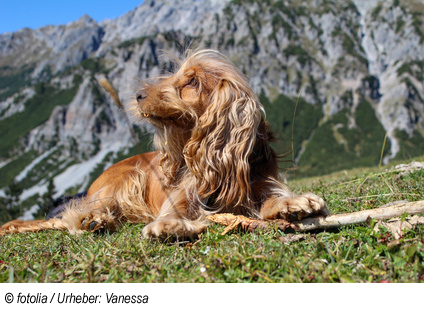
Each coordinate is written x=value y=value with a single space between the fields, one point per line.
x=382 y=151
x=112 y=92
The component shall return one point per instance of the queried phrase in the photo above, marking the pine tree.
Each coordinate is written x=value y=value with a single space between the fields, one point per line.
x=12 y=207
x=46 y=200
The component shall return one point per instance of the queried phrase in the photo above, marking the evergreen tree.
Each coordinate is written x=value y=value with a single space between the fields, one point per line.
x=46 y=200
x=11 y=207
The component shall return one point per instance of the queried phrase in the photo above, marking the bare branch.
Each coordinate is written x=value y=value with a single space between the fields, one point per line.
x=342 y=219
x=322 y=222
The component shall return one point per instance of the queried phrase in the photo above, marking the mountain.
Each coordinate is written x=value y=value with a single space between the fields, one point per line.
x=334 y=76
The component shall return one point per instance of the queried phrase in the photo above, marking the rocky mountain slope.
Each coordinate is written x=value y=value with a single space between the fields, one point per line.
x=346 y=72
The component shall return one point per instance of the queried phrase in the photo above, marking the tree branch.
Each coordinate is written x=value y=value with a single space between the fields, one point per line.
x=382 y=213
x=313 y=223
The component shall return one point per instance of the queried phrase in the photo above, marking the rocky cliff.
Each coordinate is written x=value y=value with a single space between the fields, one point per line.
x=345 y=72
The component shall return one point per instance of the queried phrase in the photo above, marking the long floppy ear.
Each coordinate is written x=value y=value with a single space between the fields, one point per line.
x=217 y=153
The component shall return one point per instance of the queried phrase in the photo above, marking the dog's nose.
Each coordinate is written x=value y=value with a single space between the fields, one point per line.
x=140 y=96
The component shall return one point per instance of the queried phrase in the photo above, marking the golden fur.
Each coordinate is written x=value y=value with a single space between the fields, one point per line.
x=213 y=156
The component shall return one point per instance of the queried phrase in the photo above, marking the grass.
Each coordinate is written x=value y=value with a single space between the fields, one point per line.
x=349 y=254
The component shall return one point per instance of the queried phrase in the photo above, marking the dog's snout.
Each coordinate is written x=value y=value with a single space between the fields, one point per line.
x=140 y=96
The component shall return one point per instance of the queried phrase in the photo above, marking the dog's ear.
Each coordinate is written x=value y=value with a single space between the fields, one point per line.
x=217 y=153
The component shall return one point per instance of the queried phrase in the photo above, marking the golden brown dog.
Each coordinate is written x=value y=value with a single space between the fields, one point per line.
x=213 y=156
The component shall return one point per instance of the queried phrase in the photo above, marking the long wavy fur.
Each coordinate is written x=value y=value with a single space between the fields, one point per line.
x=213 y=157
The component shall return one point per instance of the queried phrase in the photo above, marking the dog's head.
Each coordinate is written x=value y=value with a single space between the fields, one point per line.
x=207 y=118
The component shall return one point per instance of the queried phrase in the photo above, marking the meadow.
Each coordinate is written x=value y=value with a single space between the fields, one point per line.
x=354 y=253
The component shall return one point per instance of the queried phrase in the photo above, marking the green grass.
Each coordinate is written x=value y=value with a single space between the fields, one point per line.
x=349 y=254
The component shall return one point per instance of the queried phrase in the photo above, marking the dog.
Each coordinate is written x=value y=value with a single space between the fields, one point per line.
x=213 y=155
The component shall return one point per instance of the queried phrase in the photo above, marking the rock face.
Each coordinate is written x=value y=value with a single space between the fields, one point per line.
x=393 y=42
x=356 y=66
x=55 y=48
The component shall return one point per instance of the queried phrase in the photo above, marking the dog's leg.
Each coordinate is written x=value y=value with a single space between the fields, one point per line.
x=87 y=214
x=75 y=219
x=118 y=195
x=19 y=226
x=93 y=213
x=283 y=204
x=176 y=219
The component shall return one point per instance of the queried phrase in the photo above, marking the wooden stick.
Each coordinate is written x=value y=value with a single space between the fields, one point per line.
x=322 y=222
x=342 y=219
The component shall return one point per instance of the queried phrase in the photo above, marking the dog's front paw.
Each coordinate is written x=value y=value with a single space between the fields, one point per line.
x=171 y=227
x=98 y=222
x=294 y=208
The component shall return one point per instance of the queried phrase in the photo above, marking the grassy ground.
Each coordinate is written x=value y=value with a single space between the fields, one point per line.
x=349 y=254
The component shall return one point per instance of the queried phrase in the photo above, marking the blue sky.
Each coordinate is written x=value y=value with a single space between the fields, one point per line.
x=18 y=14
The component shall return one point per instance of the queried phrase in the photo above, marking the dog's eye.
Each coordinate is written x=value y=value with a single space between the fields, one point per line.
x=191 y=83
x=140 y=96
